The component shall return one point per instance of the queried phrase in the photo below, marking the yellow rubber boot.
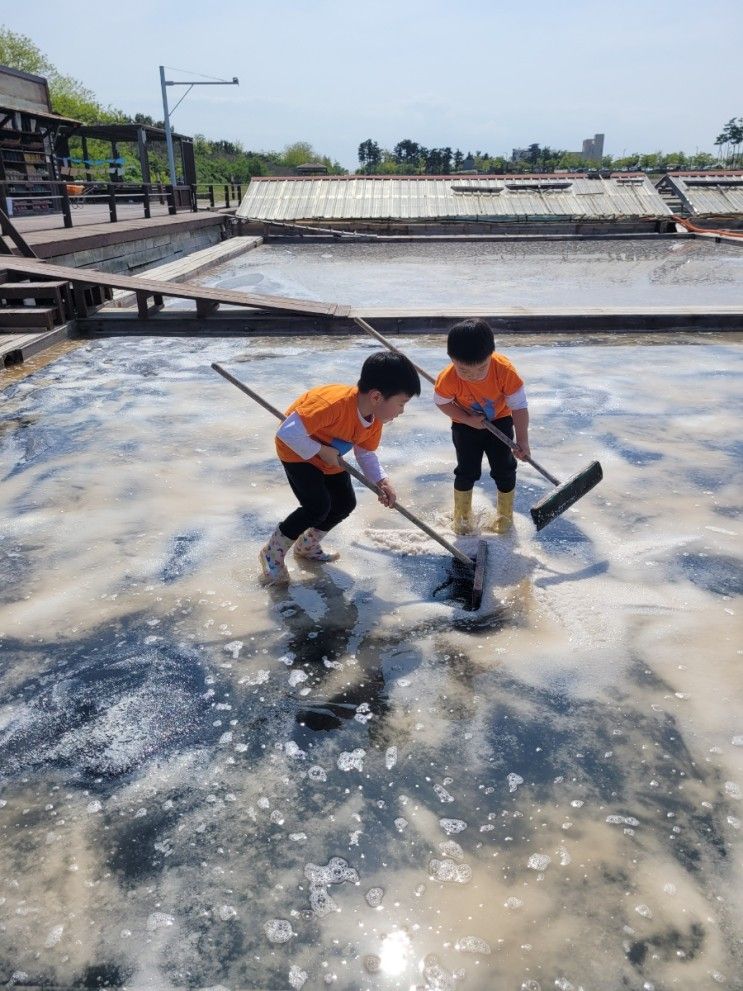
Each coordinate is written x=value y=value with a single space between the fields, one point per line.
x=503 y=519
x=463 y=522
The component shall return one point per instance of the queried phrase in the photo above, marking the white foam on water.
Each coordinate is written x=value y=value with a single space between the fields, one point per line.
x=473 y=944
x=351 y=760
x=514 y=780
x=297 y=977
x=539 y=861
x=448 y=870
x=452 y=825
x=278 y=930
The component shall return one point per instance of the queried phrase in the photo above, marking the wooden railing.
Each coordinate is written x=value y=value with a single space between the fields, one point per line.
x=66 y=198
x=221 y=195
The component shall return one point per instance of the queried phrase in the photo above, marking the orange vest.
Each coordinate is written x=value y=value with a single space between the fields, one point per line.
x=487 y=396
x=330 y=414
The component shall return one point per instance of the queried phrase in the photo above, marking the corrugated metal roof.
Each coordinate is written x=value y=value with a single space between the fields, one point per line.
x=328 y=198
x=706 y=193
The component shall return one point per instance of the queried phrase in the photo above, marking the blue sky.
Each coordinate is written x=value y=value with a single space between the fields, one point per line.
x=474 y=75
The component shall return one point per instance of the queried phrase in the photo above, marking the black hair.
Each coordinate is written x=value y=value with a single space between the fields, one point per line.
x=390 y=373
x=470 y=341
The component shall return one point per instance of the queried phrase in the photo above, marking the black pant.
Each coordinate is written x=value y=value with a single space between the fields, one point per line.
x=325 y=500
x=471 y=444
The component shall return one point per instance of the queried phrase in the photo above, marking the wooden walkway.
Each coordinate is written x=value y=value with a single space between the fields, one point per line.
x=207 y=300
x=184 y=268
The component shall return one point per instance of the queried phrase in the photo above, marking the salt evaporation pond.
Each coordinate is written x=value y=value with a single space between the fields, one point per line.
x=631 y=272
x=353 y=783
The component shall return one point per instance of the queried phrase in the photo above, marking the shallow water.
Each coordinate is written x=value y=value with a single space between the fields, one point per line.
x=546 y=273
x=354 y=783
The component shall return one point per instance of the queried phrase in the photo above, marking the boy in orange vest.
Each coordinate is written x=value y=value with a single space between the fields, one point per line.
x=481 y=384
x=320 y=426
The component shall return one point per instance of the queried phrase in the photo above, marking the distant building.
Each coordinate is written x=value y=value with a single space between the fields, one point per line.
x=520 y=155
x=593 y=148
x=312 y=168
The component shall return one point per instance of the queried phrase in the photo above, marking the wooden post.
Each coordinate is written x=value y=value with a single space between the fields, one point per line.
x=111 y=202
x=194 y=198
x=86 y=160
x=65 y=204
x=78 y=293
x=144 y=161
x=205 y=307
x=146 y=190
x=211 y=195
x=142 y=309
x=172 y=208
x=226 y=196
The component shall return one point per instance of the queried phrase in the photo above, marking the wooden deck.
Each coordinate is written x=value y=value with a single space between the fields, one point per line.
x=51 y=243
x=16 y=348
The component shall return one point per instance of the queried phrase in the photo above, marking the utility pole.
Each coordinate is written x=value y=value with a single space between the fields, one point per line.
x=164 y=83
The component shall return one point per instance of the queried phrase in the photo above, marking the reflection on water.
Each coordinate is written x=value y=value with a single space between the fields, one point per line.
x=352 y=782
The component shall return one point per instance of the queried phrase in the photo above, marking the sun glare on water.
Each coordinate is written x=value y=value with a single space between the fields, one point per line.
x=395 y=953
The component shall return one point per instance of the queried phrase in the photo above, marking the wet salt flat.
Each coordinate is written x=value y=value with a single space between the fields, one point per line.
x=352 y=782
x=629 y=272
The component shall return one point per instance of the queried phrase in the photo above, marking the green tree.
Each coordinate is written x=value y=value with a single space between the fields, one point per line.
x=370 y=155
x=732 y=138
x=299 y=153
x=409 y=153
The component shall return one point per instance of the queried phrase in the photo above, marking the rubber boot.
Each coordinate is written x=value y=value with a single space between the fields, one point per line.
x=308 y=547
x=272 y=556
x=503 y=519
x=463 y=522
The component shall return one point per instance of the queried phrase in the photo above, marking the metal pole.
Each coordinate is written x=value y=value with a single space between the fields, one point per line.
x=168 y=133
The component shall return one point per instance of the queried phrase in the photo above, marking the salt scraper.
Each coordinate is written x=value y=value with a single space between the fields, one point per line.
x=468 y=569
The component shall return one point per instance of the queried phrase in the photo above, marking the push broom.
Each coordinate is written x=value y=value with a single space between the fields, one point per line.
x=565 y=493
x=471 y=570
